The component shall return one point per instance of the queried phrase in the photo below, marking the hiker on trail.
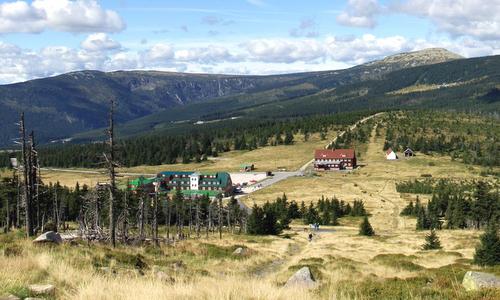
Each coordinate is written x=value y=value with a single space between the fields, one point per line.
x=310 y=237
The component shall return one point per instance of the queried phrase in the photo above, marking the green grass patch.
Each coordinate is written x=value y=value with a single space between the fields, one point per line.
x=398 y=261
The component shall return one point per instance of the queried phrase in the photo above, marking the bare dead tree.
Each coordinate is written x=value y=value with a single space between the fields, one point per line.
x=169 y=216
x=26 y=172
x=190 y=216
x=155 y=217
x=198 y=217
x=34 y=169
x=219 y=198
x=112 y=174
x=125 y=217
x=141 y=217
x=55 y=211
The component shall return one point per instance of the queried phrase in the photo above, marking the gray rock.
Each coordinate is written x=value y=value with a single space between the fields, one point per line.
x=474 y=281
x=42 y=289
x=240 y=251
x=10 y=297
x=162 y=276
x=49 y=237
x=302 y=278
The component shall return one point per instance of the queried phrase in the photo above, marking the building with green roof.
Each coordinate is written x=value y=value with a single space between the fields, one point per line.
x=189 y=183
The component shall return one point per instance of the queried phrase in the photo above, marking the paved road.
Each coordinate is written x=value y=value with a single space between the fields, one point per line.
x=279 y=176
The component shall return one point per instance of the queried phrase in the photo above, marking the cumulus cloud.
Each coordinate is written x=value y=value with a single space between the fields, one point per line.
x=259 y=56
x=476 y=18
x=99 y=42
x=59 y=15
x=360 y=13
x=285 y=51
x=205 y=55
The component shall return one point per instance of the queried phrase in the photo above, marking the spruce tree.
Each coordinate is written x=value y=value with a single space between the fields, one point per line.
x=488 y=252
x=366 y=228
x=432 y=241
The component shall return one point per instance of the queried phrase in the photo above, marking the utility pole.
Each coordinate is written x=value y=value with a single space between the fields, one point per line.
x=27 y=192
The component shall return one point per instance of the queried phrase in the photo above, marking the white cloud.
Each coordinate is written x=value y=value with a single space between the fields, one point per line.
x=206 y=55
x=260 y=56
x=59 y=15
x=360 y=13
x=99 y=42
x=284 y=50
x=476 y=18
x=160 y=52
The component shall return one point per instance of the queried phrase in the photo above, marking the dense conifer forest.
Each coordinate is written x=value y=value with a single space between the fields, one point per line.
x=188 y=144
x=473 y=139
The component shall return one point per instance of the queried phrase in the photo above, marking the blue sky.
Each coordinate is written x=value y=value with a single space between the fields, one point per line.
x=48 y=37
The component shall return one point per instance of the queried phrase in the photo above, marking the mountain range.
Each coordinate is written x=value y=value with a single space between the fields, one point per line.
x=75 y=105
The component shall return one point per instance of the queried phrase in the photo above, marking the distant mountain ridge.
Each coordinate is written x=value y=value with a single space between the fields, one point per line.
x=61 y=106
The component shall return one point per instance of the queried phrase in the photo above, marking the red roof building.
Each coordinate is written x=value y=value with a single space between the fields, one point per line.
x=337 y=159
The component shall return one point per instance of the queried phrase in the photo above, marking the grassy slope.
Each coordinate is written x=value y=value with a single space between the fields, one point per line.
x=388 y=266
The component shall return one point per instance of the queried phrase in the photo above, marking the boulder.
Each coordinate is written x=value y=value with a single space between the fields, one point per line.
x=9 y=297
x=49 y=237
x=302 y=278
x=164 y=277
x=240 y=251
x=478 y=280
x=42 y=289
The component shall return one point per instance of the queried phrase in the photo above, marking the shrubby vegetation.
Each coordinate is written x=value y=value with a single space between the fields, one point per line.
x=470 y=138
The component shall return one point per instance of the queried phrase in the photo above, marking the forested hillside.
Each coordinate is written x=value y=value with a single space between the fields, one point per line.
x=470 y=138
x=61 y=106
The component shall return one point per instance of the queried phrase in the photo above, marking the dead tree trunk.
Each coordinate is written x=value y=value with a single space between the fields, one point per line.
x=125 y=217
x=198 y=217
x=169 y=217
x=155 y=219
x=220 y=216
x=18 y=202
x=190 y=216
x=34 y=180
x=27 y=192
x=141 y=218
x=112 y=174
x=55 y=213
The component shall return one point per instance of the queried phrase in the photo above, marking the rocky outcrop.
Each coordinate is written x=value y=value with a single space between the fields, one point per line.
x=49 y=237
x=42 y=289
x=302 y=278
x=474 y=281
x=240 y=251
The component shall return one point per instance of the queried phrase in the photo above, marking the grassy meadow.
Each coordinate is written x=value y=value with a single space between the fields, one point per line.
x=390 y=265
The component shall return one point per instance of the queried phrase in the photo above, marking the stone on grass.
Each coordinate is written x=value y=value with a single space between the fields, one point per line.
x=10 y=297
x=42 y=289
x=164 y=277
x=49 y=237
x=474 y=281
x=240 y=251
x=302 y=278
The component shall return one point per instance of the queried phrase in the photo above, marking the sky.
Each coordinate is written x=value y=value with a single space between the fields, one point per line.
x=43 y=38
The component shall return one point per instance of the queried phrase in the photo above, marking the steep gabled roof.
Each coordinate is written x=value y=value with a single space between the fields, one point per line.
x=334 y=154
